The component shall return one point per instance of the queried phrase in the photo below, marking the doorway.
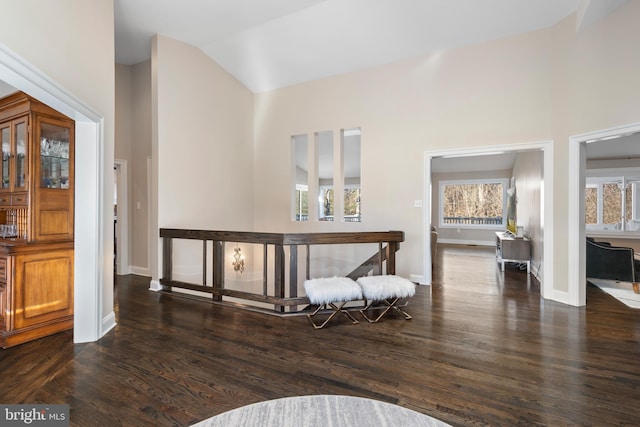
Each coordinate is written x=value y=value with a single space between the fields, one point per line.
x=90 y=320
x=577 y=287
x=120 y=218
x=546 y=279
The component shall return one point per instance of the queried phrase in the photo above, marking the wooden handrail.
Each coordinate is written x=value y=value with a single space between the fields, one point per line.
x=284 y=298
x=285 y=238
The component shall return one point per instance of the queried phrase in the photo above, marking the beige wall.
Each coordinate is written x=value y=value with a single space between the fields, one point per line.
x=494 y=93
x=123 y=118
x=548 y=84
x=122 y=148
x=133 y=144
x=139 y=169
x=72 y=43
x=204 y=142
x=594 y=87
x=544 y=85
x=528 y=170
x=205 y=134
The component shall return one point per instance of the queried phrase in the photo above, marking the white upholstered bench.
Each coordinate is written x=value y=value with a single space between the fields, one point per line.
x=331 y=293
x=387 y=289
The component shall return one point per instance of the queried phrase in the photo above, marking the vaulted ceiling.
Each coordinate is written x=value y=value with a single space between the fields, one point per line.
x=267 y=44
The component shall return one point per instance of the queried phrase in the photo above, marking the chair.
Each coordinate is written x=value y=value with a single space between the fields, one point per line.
x=331 y=293
x=608 y=262
x=388 y=290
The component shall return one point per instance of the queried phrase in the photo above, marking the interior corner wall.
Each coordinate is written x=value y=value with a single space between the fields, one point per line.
x=139 y=170
x=123 y=119
x=204 y=143
x=528 y=170
x=123 y=139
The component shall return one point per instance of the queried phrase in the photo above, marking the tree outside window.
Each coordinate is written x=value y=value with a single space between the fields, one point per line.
x=326 y=204
x=302 y=203
x=472 y=203
x=352 y=211
x=611 y=203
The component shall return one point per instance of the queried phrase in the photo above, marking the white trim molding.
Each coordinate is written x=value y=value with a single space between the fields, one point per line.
x=577 y=286
x=89 y=272
x=109 y=322
x=154 y=285
x=547 y=285
x=140 y=271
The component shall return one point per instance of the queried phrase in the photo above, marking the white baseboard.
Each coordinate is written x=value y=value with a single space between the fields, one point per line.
x=560 y=296
x=108 y=323
x=419 y=279
x=154 y=285
x=123 y=271
x=467 y=242
x=140 y=271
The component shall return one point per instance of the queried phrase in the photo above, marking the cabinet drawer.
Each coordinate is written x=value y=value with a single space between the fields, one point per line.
x=14 y=199
x=19 y=199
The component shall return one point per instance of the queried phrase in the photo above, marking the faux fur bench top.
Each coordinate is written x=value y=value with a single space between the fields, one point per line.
x=383 y=287
x=326 y=290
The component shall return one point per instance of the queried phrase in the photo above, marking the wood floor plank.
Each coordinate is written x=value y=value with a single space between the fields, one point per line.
x=482 y=349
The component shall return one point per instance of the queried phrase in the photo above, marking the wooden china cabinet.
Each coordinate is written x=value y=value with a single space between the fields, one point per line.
x=36 y=220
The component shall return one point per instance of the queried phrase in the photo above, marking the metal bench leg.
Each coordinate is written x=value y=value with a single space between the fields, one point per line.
x=336 y=309
x=389 y=306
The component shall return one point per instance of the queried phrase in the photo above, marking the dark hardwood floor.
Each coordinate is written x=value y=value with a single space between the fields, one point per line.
x=482 y=349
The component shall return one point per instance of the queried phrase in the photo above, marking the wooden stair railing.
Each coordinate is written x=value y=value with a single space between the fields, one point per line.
x=284 y=299
x=368 y=266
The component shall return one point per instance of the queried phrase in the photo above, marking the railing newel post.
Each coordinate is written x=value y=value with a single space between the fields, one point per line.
x=265 y=270
x=167 y=259
x=204 y=262
x=293 y=272
x=218 y=268
x=279 y=275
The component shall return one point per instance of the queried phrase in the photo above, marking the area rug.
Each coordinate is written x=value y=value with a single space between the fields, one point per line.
x=321 y=411
x=622 y=291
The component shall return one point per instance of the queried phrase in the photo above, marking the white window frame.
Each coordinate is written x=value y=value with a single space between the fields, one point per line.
x=505 y=186
x=598 y=183
x=298 y=209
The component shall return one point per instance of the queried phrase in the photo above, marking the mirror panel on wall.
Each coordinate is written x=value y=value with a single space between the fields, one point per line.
x=351 y=139
x=300 y=149
x=324 y=159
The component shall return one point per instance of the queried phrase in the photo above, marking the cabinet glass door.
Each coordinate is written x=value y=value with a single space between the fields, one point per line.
x=54 y=156
x=21 y=156
x=5 y=141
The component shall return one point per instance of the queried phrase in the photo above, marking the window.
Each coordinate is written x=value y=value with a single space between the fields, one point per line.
x=302 y=203
x=300 y=154
x=352 y=204
x=326 y=203
x=351 y=172
x=324 y=165
x=313 y=184
x=612 y=203
x=473 y=203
